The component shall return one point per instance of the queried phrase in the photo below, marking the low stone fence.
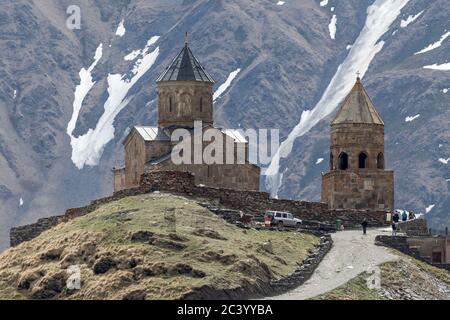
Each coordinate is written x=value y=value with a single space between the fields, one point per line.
x=31 y=231
x=415 y=227
x=305 y=270
x=409 y=246
x=399 y=243
x=251 y=202
x=257 y=203
x=268 y=289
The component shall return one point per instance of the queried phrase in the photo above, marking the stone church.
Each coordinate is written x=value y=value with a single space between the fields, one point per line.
x=357 y=178
x=185 y=96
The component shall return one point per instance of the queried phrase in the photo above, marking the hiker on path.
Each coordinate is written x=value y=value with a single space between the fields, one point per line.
x=364 y=225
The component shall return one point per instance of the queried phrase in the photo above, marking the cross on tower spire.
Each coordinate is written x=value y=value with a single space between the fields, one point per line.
x=186 y=35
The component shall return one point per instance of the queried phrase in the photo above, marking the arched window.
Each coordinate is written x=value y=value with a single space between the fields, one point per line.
x=343 y=161
x=170 y=104
x=201 y=104
x=380 y=161
x=331 y=162
x=362 y=160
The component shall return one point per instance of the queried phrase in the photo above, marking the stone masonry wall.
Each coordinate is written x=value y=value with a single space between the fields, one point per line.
x=366 y=188
x=416 y=227
x=415 y=247
x=28 y=232
x=257 y=203
x=251 y=202
x=31 y=231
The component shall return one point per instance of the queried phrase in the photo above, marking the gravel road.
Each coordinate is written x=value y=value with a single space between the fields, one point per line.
x=351 y=254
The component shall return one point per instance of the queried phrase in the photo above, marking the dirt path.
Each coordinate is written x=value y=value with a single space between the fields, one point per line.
x=351 y=254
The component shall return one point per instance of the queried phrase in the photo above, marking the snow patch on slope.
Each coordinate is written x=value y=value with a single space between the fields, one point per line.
x=319 y=161
x=429 y=208
x=21 y=202
x=332 y=27
x=121 y=29
x=224 y=86
x=380 y=16
x=444 y=161
x=81 y=90
x=445 y=90
x=132 y=55
x=87 y=149
x=445 y=66
x=280 y=3
x=435 y=45
x=409 y=119
x=323 y=3
x=410 y=19
x=136 y=53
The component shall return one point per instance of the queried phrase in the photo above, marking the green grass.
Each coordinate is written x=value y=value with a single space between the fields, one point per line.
x=355 y=289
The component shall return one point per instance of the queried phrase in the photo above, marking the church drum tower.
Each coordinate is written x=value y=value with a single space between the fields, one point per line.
x=185 y=92
x=185 y=95
x=357 y=178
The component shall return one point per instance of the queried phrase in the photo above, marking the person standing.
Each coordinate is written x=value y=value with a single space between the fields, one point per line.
x=394 y=228
x=404 y=216
x=364 y=225
x=396 y=217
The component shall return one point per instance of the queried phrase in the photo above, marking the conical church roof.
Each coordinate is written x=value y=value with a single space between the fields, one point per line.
x=357 y=108
x=185 y=67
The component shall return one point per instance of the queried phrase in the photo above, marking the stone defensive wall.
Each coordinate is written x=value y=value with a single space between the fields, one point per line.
x=182 y=183
x=416 y=227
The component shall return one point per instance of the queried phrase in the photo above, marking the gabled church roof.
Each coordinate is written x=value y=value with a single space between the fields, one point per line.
x=148 y=134
x=185 y=67
x=357 y=108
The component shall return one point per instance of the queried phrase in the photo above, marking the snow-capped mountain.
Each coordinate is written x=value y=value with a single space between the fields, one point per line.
x=69 y=96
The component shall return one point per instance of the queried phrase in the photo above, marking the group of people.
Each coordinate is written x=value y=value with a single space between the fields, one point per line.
x=404 y=217
x=395 y=220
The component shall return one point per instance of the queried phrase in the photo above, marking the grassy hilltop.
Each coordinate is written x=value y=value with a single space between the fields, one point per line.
x=152 y=246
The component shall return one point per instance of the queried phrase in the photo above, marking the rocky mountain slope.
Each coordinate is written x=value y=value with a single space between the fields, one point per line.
x=153 y=246
x=68 y=97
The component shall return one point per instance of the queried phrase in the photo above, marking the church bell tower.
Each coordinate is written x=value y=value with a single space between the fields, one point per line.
x=357 y=178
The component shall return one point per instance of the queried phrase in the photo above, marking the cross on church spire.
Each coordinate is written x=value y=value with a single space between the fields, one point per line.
x=357 y=75
x=186 y=35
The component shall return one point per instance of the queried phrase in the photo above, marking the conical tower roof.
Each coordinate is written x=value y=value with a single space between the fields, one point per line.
x=358 y=108
x=185 y=67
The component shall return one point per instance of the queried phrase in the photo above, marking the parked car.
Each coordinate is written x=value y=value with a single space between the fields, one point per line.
x=281 y=219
